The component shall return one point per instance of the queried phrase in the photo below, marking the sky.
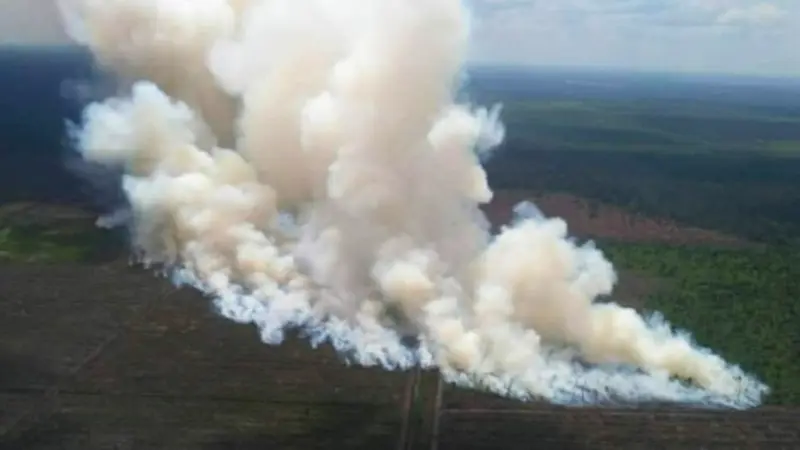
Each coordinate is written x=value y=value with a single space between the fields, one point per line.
x=719 y=36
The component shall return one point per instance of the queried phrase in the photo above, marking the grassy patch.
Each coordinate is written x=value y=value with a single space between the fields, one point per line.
x=38 y=243
x=790 y=148
x=742 y=303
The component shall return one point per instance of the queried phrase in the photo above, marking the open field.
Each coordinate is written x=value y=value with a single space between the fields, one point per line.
x=111 y=357
x=32 y=232
x=466 y=417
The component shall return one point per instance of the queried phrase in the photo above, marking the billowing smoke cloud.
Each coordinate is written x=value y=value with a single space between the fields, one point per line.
x=303 y=162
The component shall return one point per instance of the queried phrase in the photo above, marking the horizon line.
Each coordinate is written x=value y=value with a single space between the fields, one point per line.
x=532 y=67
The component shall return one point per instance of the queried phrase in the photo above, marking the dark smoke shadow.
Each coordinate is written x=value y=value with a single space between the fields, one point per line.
x=362 y=429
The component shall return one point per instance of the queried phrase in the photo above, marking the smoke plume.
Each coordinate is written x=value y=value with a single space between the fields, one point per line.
x=304 y=163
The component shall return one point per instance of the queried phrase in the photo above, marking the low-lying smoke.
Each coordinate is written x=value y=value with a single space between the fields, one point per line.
x=304 y=163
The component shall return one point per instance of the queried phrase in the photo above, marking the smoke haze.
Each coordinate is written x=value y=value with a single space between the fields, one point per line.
x=303 y=162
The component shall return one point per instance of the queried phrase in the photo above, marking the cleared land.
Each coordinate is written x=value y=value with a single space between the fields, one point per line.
x=590 y=219
x=114 y=358
x=98 y=355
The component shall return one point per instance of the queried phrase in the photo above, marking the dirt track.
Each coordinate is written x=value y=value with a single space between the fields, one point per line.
x=111 y=357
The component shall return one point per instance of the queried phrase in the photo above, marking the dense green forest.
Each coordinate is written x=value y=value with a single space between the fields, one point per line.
x=728 y=167
x=756 y=198
x=739 y=302
x=674 y=127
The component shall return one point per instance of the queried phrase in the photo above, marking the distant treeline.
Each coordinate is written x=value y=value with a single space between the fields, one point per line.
x=754 y=197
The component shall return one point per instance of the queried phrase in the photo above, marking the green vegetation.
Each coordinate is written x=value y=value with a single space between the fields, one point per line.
x=729 y=167
x=675 y=127
x=787 y=148
x=36 y=243
x=757 y=199
x=743 y=303
x=711 y=162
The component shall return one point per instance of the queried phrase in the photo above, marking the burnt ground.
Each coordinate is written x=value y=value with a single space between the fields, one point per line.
x=104 y=356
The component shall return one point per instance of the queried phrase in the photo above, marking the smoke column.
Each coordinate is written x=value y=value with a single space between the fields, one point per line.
x=303 y=163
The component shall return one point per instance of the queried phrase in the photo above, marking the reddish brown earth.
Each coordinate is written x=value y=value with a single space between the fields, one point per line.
x=633 y=288
x=588 y=219
x=109 y=357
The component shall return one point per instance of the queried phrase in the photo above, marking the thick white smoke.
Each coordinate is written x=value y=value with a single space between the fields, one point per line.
x=348 y=202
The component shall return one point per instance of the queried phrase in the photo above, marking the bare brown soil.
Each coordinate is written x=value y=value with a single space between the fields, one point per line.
x=633 y=288
x=590 y=219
